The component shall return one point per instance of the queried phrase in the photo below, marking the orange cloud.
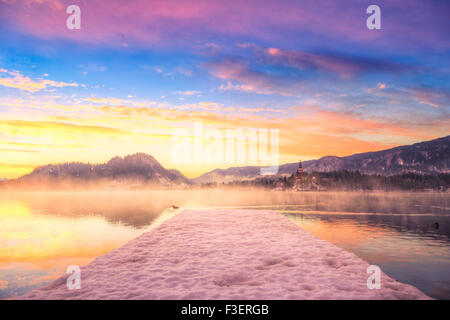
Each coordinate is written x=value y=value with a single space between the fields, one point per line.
x=313 y=145
x=54 y=127
x=18 y=81
x=347 y=123
x=102 y=132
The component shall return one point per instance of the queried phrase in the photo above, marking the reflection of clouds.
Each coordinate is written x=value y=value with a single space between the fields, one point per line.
x=21 y=278
x=130 y=209
x=3 y=285
x=43 y=233
x=401 y=245
x=38 y=281
x=386 y=238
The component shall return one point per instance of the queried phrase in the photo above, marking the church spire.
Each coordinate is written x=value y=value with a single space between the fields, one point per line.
x=300 y=169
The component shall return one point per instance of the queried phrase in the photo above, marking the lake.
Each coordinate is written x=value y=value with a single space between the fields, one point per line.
x=42 y=233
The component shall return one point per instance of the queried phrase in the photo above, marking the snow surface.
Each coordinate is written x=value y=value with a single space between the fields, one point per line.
x=227 y=254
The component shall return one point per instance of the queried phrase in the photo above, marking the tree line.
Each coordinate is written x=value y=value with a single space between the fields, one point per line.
x=348 y=180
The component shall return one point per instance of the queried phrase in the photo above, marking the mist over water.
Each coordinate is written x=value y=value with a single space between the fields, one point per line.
x=41 y=233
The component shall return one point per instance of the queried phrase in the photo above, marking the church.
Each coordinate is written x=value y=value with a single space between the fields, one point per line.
x=300 y=178
x=302 y=182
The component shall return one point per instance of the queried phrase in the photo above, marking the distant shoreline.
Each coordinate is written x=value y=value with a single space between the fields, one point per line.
x=214 y=188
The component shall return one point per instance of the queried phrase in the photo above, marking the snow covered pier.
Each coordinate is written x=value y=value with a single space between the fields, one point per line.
x=227 y=254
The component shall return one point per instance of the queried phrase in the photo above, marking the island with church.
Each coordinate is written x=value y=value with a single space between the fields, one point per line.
x=348 y=180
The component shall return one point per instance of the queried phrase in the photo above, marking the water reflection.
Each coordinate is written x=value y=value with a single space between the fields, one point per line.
x=43 y=233
x=407 y=248
x=36 y=247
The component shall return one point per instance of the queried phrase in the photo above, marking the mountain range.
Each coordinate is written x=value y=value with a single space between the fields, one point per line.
x=429 y=157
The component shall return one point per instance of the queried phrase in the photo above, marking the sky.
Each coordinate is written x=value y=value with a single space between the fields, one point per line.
x=139 y=71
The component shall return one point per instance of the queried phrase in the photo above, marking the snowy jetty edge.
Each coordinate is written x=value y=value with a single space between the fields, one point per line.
x=227 y=254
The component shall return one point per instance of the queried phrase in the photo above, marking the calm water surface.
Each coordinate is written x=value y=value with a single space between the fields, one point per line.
x=41 y=234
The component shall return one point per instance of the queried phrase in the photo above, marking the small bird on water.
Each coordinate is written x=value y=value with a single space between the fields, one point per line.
x=435 y=225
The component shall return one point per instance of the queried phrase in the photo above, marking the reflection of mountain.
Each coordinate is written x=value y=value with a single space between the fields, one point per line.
x=132 y=208
x=137 y=169
x=429 y=157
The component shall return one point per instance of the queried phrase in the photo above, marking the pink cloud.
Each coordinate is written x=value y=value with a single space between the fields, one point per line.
x=431 y=97
x=345 y=66
x=245 y=78
x=184 y=22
